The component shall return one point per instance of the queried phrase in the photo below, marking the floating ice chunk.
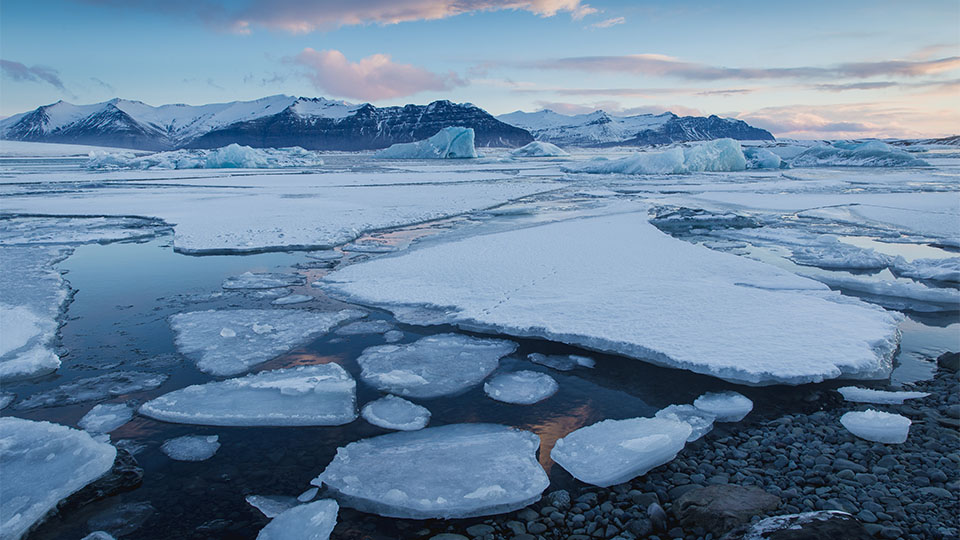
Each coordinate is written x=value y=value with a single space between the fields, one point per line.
x=233 y=156
x=122 y=519
x=869 y=154
x=191 y=447
x=449 y=142
x=936 y=269
x=271 y=506
x=761 y=158
x=453 y=471
x=199 y=335
x=316 y=395
x=314 y=521
x=521 y=387
x=720 y=155
x=539 y=149
x=614 y=451
x=391 y=336
x=364 y=327
x=392 y=412
x=94 y=389
x=106 y=417
x=308 y=495
x=700 y=422
x=877 y=426
x=99 y=535
x=830 y=252
x=433 y=366
x=947 y=298
x=726 y=406
x=561 y=362
x=263 y=280
x=43 y=463
x=292 y=299
x=369 y=246
x=869 y=395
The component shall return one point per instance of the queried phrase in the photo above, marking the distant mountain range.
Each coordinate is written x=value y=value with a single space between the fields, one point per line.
x=323 y=124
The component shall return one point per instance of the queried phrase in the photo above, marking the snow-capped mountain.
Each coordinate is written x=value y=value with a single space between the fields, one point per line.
x=602 y=129
x=275 y=121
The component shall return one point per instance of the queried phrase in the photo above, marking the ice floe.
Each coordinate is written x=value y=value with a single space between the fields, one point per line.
x=314 y=521
x=868 y=154
x=106 y=417
x=432 y=366
x=869 y=395
x=614 y=451
x=315 y=395
x=448 y=143
x=191 y=447
x=829 y=252
x=233 y=156
x=251 y=280
x=369 y=246
x=727 y=406
x=392 y=412
x=936 y=269
x=539 y=149
x=42 y=464
x=877 y=426
x=228 y=342
x=292 y=299
x=720 y=155
x=521 y=387
x=700 y=421
x=935 y=298
x=393 y=336
x=561 y=362
x=364 y=327
x=105 y=386
x=474 y=470
x=271 y=506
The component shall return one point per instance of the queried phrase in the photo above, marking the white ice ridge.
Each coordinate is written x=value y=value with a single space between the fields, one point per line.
x=521 y=387
x=292 y=299
x=720 y=155
x=106 y=417
x=392 y=412
x=617 y=284
x=448 y=143
x=453 y=471
x=43 y=463
x=233 y=156
x=938 y=298
x=869 y=395
x=877 y=426
x=726 y=406
x=539 y=149
x=868 y=154
x=614 y=451
x=191 y=447
x=314 y=521
x=700 y=422
x=228 y=342
x=316 y=395
x=440 y=365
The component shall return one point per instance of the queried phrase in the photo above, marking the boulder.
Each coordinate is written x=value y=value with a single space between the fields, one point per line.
x=721 y=507
x=949 y=361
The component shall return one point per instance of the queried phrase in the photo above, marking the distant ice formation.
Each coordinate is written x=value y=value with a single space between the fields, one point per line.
x=721 y=155
x=867 y=154
x=448 y=143
x=539 y=149
x=232 y=156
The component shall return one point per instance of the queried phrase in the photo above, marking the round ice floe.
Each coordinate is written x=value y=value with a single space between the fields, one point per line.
x=191 y=447
x=877 y=426
x=521 y=387
x=106 y=417
x=614 y=451
x=726 y=406
x=454 y=471
x=392 y=412
x=433 y=366
x=869 y=395
x=314 y=521
x=700 y=422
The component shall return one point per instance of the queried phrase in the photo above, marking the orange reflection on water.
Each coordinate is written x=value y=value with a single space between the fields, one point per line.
x=301 y=357
x=558 y=427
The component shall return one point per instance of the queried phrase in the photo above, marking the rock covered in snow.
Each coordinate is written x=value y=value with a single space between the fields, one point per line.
x=614 y=451
x=726 y=406
x=440 y=365
x=700 y=421
x=106 y=417
x=233 y=156
x=448 y=143
x=561 y=362
x=191 y=447
x=43 y=463
x=539 y=149
x=262 y=280
x=869 y=395
x=314 y=521
x=521 y=387
x=392 y=412
x=877 y=426
x=447 y=472
x=315 y=395
x=720 y=155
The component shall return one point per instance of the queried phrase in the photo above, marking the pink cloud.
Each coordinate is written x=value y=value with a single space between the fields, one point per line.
x=372 y=78
x=609 y=22
x=854 y=120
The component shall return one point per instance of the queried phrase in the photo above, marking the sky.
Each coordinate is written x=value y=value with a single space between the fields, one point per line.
x=812 y=69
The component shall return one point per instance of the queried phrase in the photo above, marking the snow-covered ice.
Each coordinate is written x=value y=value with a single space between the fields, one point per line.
x=271 y=506
x=106 y=417
x=936 y=298
x=869 y=395
x=947 y=269
x=474 y=470
x=720 y=155
x=561 y=362
x=521 y=387
x=727 y=406
x=539 y=149
x=392 y=336
x=392 y=412
x=432 y=366
x=292 y=299
x=228 y=342
x=829 y=252
x=43 y=463
x=104 y=386
x=315 y=395
x=378 y=326
x=251 y=280
x=191 y=447
x=700 y=421
x=369 y=246
x=314 y=521
x=614 y=451
x=233 y=156
x=448 y=143
x=868 y=154
x=877 y=426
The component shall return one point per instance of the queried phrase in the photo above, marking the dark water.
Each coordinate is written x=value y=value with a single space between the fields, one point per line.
x=118 y=320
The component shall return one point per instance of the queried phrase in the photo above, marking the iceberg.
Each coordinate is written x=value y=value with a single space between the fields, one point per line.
x=700 y=422
x=561 y=362
x=42 y=464
x=615 y=451
x=316 y=395
x=269 y=506
x=447 y=472
x=233 y=156
x=886 y=397
x=947 y=269
x=521 y=387
x=761 y=158
x=105 y=386
x=448 y=143
x=877 y=426
x=250 y=280
x=228 y=342
x=191 y=447
x=433 y=366
x=539 y=149
x=314 y=521
x=106 y=417
x=392 y=412
x=725 y=406
x=868 y=154
x=720 y=155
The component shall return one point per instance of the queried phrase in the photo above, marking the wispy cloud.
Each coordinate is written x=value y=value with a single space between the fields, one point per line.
x=607 y=23
x=854 y=120
x=372 y=78
x=880 y=85
x=20 y=72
